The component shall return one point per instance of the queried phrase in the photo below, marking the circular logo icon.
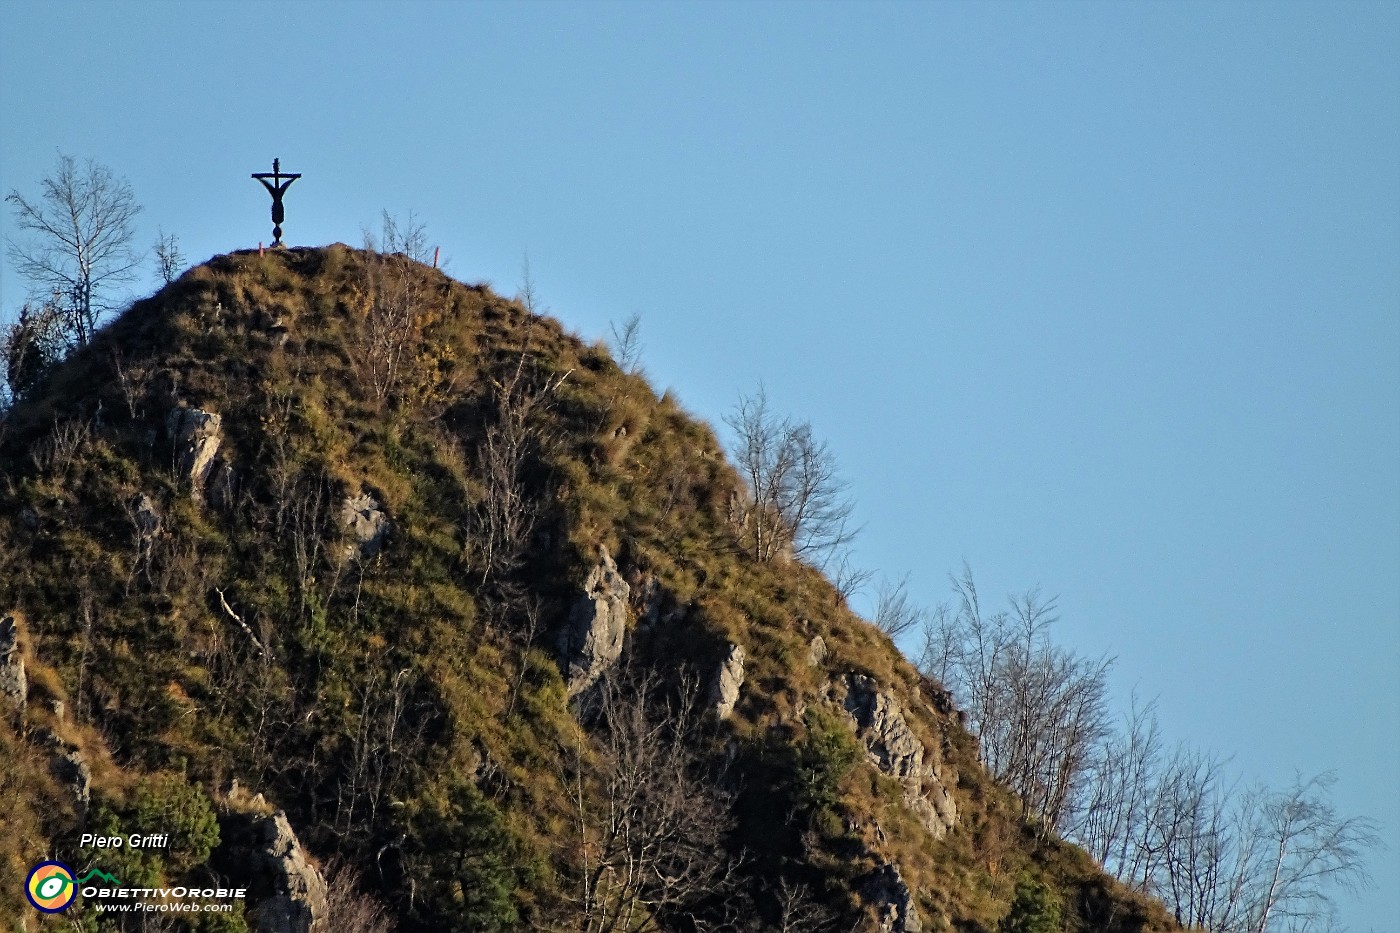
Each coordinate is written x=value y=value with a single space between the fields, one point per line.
x=50 y=887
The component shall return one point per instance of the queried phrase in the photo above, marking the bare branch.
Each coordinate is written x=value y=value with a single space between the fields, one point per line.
x=239 y=619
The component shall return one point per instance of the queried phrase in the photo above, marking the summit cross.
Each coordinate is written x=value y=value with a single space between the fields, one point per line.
x=277 y=187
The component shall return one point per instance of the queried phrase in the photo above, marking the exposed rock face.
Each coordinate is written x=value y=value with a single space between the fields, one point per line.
x=223 y=482
x=147 y=517
x=886 y=892
x=816 y=651
x=245 y=801
x=897 y=751
x=367 y=526
x=592 y=639
x=14 y=685
x=290 y=893
x=653 y=604
x=194 y=435
x=71 y=770
x=724 y=691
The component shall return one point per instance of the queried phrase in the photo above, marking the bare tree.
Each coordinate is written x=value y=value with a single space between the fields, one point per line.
x=390 y=331
x=348 y=908
x=396 y=304
x=392 y=325
x=388 y=728
x=1038 y=711
x=1163 y=822
x=1220 y=859
x=797 y=503
x=168 y=256
x=1310 y=846
x=895 y=612
x=1112 y=815
x=650 y=832
x=529 y=295
x=408 y=236
x=134 y=377
x=1186 y=842
x=627 y=344
x=847 y=578
x=56 y=454
x=798 y=912
x=1261 y=861
x=80 y=245
x=503 y=520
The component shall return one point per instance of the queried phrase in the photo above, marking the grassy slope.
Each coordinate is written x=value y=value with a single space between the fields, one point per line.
x=158 y=681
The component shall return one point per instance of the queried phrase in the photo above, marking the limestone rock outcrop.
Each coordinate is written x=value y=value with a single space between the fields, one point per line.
x=653 y=604
x=146 y=517
x=70 y=769
x=895 y=749
x=14 y=685
x=223 y=484
x=287 y=893
x=366 y=525
x=195 y=438
x=895 y=912
x=729 y=678
x=591 y=641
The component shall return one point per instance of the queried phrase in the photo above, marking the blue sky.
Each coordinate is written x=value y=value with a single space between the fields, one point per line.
x=1100 y=297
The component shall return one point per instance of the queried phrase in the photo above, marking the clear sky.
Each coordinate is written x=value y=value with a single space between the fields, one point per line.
x=1101 y=297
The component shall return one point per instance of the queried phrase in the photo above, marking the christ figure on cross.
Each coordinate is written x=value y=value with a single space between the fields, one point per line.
x=277 y=187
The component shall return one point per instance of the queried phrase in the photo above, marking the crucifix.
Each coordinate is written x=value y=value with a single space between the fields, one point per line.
x=277 y=187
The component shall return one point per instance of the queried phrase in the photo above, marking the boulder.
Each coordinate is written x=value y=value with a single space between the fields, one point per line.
x=366 y=525
x=895 y=749
x=591 y=641
x=816 y=651
x=724 y=689
x=14 y=685
x=886 y=893
x=195 y=438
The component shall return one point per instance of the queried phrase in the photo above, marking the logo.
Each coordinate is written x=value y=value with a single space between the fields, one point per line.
x=50 y=887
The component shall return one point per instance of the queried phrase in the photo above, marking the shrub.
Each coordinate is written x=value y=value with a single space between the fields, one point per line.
x=1034 y=909
x=821 y=760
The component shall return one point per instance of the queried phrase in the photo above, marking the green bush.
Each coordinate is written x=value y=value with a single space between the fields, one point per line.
x=821 y=760
x=162 y=803
x=1034 y=909
x=465 y=867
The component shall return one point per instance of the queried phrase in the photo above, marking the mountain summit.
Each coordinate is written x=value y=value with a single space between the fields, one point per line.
x=390 y=604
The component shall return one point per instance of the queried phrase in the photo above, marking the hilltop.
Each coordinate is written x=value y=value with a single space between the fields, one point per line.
x=400 y=606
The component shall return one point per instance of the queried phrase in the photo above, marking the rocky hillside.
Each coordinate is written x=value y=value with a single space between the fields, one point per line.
x=402 y=608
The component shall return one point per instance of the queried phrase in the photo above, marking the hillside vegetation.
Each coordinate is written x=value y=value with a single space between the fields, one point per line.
x=325 y=532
